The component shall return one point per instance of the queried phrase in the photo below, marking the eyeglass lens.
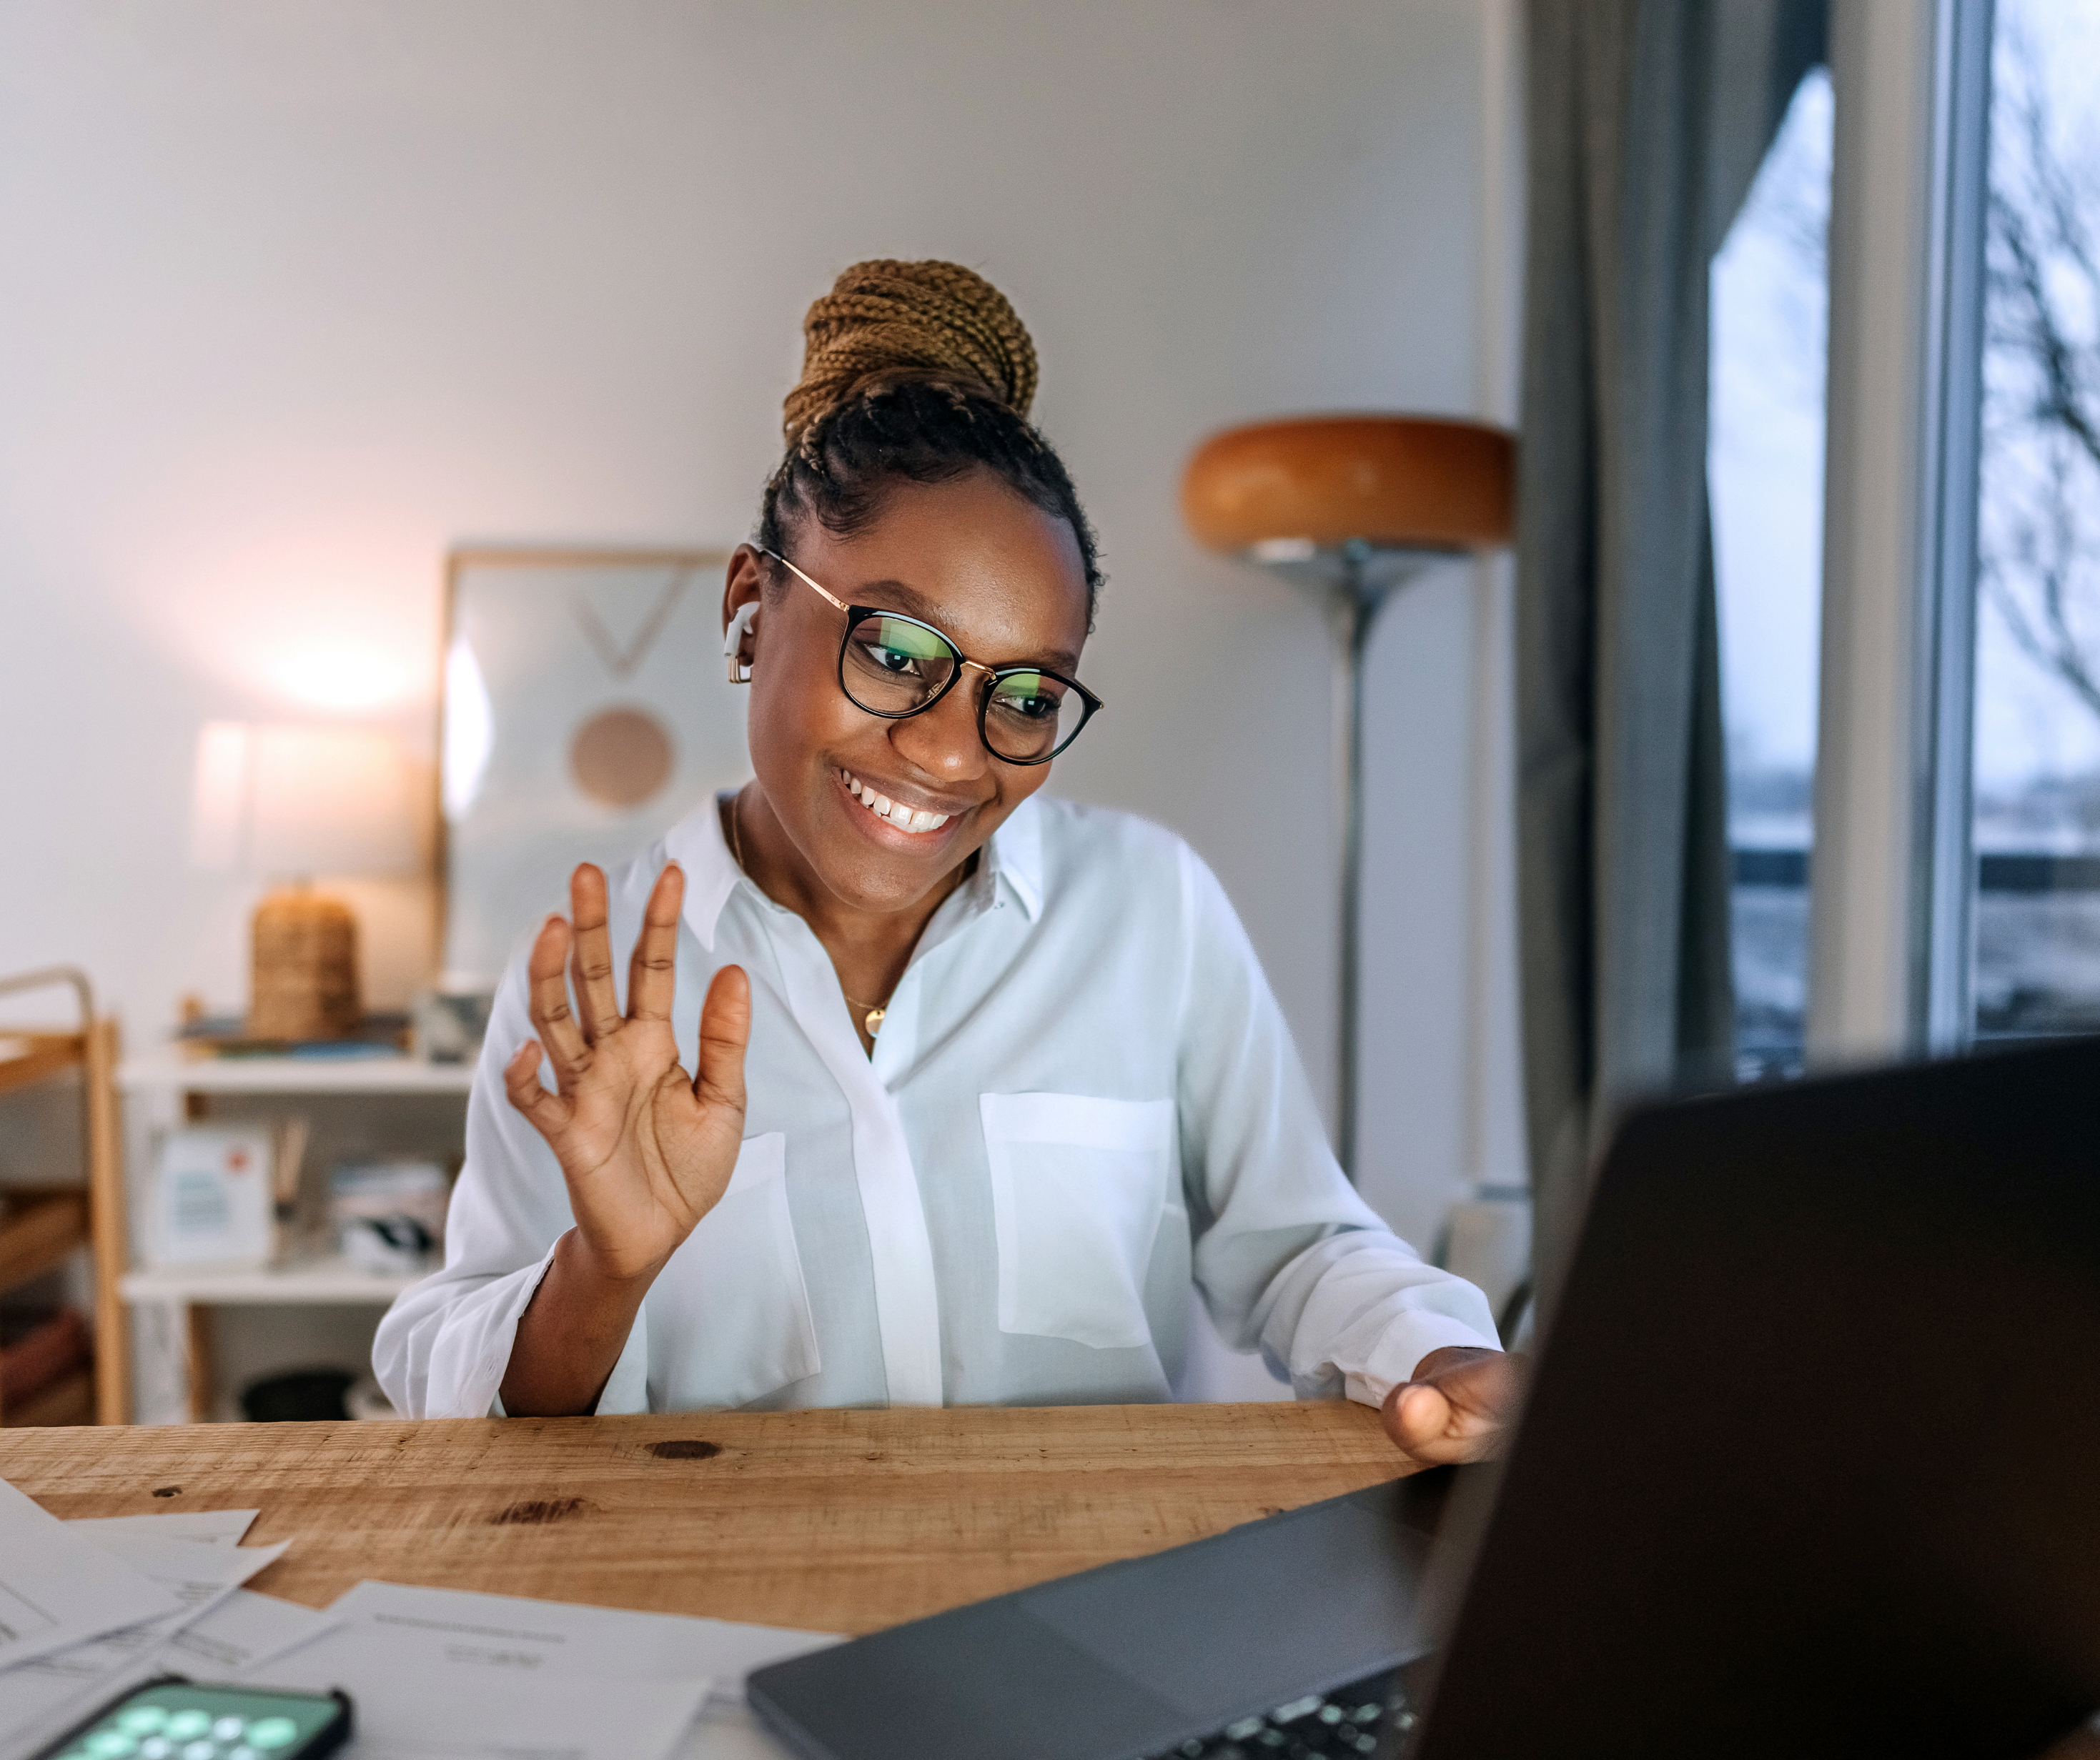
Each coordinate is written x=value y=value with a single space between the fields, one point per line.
x=895 y=665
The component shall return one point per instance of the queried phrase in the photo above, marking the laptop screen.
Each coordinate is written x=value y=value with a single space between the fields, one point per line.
x=1811 y=1464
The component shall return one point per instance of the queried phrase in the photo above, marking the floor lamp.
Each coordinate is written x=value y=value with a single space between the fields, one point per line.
x=1352 y=506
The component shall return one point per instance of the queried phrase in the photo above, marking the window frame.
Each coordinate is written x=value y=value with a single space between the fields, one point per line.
x=1891 y=886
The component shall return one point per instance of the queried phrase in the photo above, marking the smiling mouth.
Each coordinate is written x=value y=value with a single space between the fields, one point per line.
x=895 y=814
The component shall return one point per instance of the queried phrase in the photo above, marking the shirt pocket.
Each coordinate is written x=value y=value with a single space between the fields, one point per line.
x=736 y=1311
x=1078 y=1185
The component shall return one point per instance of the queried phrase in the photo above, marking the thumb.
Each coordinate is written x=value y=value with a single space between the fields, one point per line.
x=1417 y=1413
x=725 y=1032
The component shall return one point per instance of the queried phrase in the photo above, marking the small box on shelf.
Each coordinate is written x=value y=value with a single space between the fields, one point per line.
x=389 y=1215
x=214 y=1195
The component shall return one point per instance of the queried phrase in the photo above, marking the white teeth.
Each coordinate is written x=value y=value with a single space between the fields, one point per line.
x=892 y=812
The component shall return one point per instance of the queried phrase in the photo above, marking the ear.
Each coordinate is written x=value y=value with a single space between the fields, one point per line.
x=742 y=598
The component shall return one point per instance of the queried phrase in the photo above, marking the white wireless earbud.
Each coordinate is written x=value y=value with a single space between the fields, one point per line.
x=733 y=640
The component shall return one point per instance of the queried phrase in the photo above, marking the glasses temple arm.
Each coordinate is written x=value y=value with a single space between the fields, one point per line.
x=760 y=548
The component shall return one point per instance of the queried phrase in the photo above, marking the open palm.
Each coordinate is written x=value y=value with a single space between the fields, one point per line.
x=645 y=1152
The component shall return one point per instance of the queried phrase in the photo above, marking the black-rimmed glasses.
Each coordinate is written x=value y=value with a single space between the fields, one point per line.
x=896 y=666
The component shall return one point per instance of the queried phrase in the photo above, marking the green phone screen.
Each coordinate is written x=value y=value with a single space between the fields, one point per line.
x=174 y=1720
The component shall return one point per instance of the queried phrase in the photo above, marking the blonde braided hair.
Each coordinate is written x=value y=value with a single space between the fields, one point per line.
x=915 y=372
x=887 y=320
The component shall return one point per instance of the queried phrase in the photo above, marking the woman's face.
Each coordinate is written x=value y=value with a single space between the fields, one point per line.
x=1004 y=580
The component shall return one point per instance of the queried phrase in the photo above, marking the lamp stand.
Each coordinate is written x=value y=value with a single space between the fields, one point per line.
x=1354 y=579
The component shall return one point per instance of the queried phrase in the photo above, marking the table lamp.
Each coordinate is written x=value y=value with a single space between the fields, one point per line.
x=288 y=803
x=1351 y=506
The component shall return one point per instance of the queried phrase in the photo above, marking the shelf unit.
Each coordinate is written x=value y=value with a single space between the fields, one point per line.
x=43 y=1227
x=172 y=1070
x=172 y=1084
x=323 y=1278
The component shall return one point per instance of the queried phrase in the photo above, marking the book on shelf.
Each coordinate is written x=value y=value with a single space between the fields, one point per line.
x=203 y=1036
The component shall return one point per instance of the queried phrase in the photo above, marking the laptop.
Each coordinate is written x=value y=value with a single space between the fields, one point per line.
x=1810 y=1466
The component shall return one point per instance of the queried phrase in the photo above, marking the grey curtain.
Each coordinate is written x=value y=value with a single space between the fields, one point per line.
x=1647 y=120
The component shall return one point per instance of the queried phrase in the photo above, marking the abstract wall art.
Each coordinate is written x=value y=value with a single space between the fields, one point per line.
x=585 y=713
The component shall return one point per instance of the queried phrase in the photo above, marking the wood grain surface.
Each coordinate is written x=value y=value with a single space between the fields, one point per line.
x=831 y=1520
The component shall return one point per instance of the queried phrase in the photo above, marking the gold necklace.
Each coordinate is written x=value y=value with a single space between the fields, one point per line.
x=871 y=1021
x=871 y=1016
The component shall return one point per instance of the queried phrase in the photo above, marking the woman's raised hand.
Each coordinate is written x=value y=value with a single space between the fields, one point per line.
x=646 y=1153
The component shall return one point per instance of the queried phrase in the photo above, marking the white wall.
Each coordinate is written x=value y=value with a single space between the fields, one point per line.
x=295 y=297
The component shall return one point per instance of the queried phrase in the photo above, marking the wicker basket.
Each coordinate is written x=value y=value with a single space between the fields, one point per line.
x=305 y=975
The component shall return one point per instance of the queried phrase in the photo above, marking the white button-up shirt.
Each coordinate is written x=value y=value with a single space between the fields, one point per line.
x=1084 y=1096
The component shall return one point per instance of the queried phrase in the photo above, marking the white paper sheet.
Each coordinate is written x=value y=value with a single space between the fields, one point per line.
x=418 y=1697
x=222 y=1527
x=560 y=1637
x=245 y=1630
x=475 y=1652
x=58 y=1588
x=39 y=1698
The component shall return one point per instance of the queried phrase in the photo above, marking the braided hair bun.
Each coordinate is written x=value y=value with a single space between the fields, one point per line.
x=935 y=320
x=915 y=373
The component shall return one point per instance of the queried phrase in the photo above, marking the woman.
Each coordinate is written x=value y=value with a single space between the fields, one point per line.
x=1014 y=1075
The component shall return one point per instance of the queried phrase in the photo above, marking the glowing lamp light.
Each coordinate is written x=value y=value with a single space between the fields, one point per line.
x=344 y=678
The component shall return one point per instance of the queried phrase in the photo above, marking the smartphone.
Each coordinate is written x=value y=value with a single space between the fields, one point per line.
x=172 y=1718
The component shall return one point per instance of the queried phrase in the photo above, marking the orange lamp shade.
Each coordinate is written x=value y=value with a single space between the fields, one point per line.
x=1406 y=480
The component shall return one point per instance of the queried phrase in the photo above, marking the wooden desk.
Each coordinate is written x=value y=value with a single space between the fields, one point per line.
x=833 y=1521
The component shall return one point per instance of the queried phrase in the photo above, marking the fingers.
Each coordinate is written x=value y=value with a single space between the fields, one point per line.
x=1457 y=1408
x=1417 y=1417
x=590 y=958
x=545 y=975
x=1484 y=1392
x=725 y=1032
x=652 y=974
x=547 y=1113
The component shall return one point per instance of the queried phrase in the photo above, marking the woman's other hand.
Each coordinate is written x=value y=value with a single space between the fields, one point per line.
x=1456 y=1407
x=645 y=1152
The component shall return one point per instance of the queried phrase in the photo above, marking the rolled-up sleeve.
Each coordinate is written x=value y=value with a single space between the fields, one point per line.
x=442 y=1346
x=1290 y=1261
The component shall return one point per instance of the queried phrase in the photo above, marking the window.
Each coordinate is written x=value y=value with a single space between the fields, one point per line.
x=2036 y=777
x=1770 y=289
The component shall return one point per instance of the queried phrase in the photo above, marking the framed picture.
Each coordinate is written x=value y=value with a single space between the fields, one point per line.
x=585 y=712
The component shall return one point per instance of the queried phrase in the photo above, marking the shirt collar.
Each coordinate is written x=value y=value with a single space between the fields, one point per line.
x=1013 y=853
x=696 y=844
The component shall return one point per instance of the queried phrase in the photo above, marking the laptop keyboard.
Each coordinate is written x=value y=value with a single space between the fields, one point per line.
x=1343 y=1723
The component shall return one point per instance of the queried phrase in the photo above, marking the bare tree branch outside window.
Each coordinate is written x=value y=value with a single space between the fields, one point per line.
x=2039 y=545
